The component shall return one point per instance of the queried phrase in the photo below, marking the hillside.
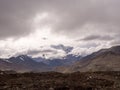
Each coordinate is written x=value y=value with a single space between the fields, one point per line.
x=22 y=63
x=103 y=60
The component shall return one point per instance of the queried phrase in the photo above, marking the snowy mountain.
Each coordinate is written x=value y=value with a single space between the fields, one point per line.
x=102 y=60
x=25 y=63
x=22 y=63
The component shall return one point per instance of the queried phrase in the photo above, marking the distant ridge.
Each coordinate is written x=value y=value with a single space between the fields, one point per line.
x=24 y=63
x=102 y=60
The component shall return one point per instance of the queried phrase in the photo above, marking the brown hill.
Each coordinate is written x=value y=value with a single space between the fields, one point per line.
x=103 y=60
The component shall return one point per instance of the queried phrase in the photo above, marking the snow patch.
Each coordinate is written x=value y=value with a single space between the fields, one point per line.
x=22 y=59
x=7 y=61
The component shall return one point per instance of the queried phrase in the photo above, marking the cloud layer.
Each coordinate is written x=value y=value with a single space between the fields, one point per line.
x=84 y=23
x=72 y=17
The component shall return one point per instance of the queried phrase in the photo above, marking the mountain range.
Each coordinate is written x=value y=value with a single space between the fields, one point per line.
x=102 y=60
x=24 y=63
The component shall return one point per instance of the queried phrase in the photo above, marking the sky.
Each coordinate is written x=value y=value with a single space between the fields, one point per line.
x=50 y=27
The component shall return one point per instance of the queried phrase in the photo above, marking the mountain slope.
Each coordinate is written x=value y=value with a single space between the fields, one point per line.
x=22 y=63
x=55 y=62
x=103 y=60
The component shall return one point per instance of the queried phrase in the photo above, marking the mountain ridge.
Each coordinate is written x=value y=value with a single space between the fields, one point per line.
x=102 y=60
x=24 y=63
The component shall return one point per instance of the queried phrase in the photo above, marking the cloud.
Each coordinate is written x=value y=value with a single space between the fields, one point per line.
x=46 y=52
x=98 y=37
x=80 y=17
x=66 y=49
x=115 y=42
x=17 y=17
x=13 y=19
x=58 y=22
x=35 y=52
x=70 y=18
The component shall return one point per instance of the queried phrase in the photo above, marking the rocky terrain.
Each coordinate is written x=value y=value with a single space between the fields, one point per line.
x=10 y=80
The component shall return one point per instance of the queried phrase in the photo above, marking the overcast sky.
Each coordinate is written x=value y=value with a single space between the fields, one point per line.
x=32 y=26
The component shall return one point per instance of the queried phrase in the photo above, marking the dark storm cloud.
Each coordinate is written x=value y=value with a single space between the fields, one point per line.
x=71 y=15
x=66 y=49
x=35 y=52
x=76 y=14
x=98 y=37
x=13 y=19
x=16 y=16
